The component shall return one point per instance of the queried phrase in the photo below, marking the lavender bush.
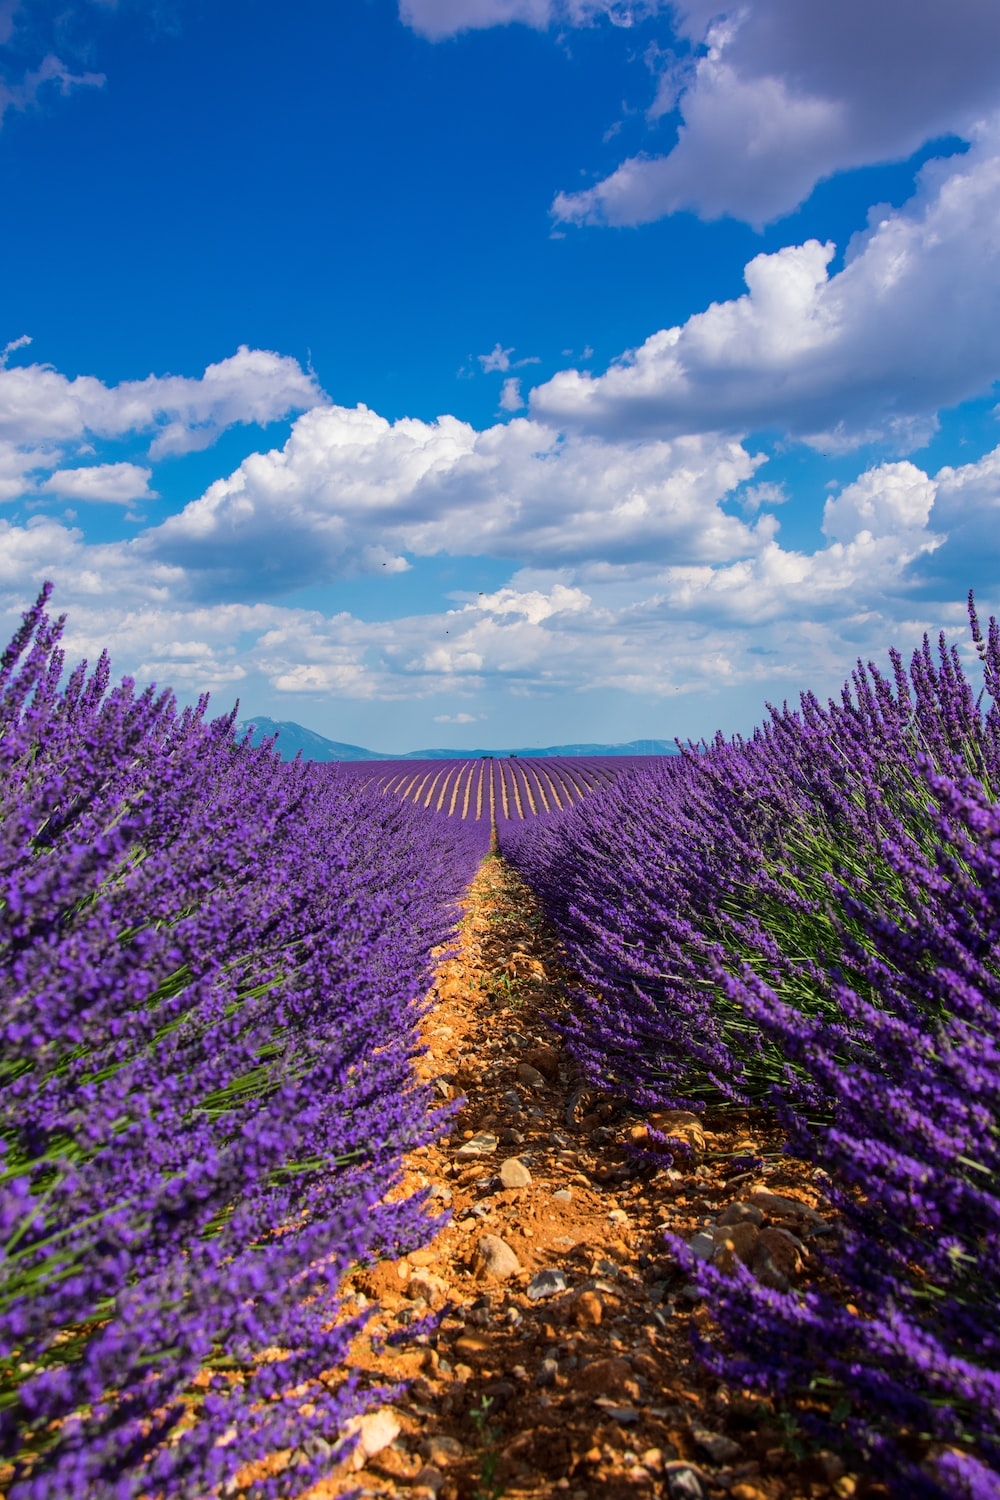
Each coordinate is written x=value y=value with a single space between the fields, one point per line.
x=211 y=969
x=812 y=918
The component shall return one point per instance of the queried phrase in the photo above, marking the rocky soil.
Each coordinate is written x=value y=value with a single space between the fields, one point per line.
x=562 y=1364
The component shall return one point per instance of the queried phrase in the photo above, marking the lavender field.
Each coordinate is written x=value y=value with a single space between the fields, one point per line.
x=215 y=965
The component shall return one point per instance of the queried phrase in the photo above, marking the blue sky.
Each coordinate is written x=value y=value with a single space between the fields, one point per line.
x=491 y=371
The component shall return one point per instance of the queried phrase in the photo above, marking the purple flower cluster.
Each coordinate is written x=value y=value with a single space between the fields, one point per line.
x=212 y=971
x=812 y=918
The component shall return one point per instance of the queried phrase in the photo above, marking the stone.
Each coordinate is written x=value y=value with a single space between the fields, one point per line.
x=562 y=1196
x=626 y=1415
x=719 y=1448
x=423 y=1283
x=734 y=1242
x=422 y=1257
x=547 y=1372
x=376 y=1430
x=441 y=1450
x=546 y=1060
x=617 y=1216
x=742 y=1213
x=499 y=1392
x=778 y=1207
x=684 y=1483
x=483 y=1144
x=702 y=1247
x=494 y=1257
x=610 y=1376
x=776 y=1260
x=430 y=1479
x=547 y=1283
x=514 y=1174
x=528 y=1075
x=681 y=1125
x=511 y=1101
x=588 y=1310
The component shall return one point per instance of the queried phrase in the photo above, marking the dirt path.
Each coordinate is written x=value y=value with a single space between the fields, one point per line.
x=563 y=1363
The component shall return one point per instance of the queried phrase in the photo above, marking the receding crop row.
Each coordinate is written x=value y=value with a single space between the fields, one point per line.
x=493 y=789
x=207 y=1007
x=811 y=919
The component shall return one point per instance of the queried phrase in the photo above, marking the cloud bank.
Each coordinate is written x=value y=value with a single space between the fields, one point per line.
x=909 y=325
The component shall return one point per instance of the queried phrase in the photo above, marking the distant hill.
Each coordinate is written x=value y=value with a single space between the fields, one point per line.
x=293 y=737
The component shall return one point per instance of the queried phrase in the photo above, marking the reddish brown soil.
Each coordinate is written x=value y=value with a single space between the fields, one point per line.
x=593 y=1392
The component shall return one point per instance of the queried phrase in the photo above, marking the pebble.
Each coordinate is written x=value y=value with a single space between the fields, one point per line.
x=720 y=1449
x=734 y=1242
x=588 y=1310
x=545 y=1060
x=494 y=1257
x=547 y=1372
x=742 y=1213
x=429 y=1478
x=682 y=1125
x=530 y=1076
x=784 y=1208
x=441 y=1450
x=483 y=1144
x=618 y=1216
x=376 y=1430
x=684 y=1483
x=562 y=1196
x=512 y=1101
x=626 y=1415
x=776 y=1260
x=702 y=1247
x=514 y=1174
x=546 y=1283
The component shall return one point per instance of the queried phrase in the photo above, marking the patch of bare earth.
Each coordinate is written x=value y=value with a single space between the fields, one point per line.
x=563 y=1361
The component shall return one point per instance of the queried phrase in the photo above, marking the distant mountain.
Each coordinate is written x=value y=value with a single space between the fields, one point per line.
x=293 y=737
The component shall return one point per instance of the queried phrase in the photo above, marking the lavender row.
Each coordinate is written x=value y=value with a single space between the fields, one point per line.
x=211 y=971
x=811 y=918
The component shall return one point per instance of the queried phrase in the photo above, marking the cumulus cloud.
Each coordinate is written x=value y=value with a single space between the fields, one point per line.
x=892 y=500
x=774 y=96
x=347 y=480
x=39 y=405
x=910 y=324
x=119 y=484
x=766 y=618
x=46 y=417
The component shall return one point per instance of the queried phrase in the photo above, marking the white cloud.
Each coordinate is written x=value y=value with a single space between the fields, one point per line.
x=40 y=406
x=118 y=483
x=775 y=95
x=768 y=619
x=436 y=19
x=892 y=500
x=497 y=359
x=510 y=396
x=911 y=323
x=51 y=71
x=458 y=718
x=347 y=480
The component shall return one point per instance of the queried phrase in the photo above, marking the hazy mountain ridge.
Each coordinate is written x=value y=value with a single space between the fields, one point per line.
x=294 y=737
